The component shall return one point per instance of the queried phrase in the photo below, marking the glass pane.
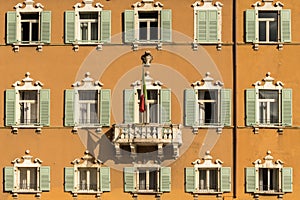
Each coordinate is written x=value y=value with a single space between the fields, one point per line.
x=83 y=116
x=213 y=179
x=143 y=31
x=153 y=112
x=94 y=113
x=263 y=179
x=35 y=32
x=88 y=95
x=25 y=31
x=273 y=30
x=83 y=184
x=93 y=179
x=28 y=95
x=262 y=32
x=94 y=31
x=274 y=179
x=208 y=106
x=142 y=179
x=28 y=178
x=268 y=26
x=202 y=180
x=84 y=31
x=89 y=15
x=153 y=30
x=30 y=16
x=269 y=107
x=153 y=180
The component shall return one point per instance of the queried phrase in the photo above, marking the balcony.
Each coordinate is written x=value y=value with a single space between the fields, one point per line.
x=143 y=135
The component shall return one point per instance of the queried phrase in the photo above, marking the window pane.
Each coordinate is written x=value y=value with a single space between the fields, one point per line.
x=88 y=106
x=208 y=102
x=268 y=26
x=93 y=179
x=28 y=178
x=153 y=113
x=35 y=32
x=269 y=106
x=84 y=31
x=143 y=30
x=88 y=95
x=263 y=179
x=28 y=107
x=25 y=31
x=273 y=31
x=148 y=25
x=94 y=113
x=152 y=179
x=142 y=179
x=213 y=177
x=153 y=30
x=88 y=15
x=94 y=31
x=202 y=179
x=262 y=32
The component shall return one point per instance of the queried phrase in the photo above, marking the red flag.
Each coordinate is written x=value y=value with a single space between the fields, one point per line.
x=142 y=103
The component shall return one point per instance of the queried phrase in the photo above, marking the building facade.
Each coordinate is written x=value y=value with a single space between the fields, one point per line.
x=149 y=99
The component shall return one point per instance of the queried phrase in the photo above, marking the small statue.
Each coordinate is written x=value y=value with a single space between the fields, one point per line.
x=147 y=58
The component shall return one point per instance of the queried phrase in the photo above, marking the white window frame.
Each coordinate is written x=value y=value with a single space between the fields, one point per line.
x=208 y=5
x=207 y=165
x=27 y=85
x=147 y=181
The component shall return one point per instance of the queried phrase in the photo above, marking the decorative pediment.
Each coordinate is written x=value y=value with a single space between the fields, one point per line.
x=269 y=83
x=29 y=6
x=87 y=5
x=268 y=162
x=26 y=161
x=207 y=5
x=87 y=160
x=207 y=162
x=87 y=83
x=207 y=83
x=27 y=84
x=147 y=5
x=268 y=5
x=150 y=84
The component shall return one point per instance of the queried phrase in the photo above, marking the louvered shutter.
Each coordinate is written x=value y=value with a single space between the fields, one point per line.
x=250 y=107
x=287 y=179
x=69 y=179
x=286 y=107
x=129 y=35
x=69 y=26
x=189 y=107
x=225 y=107
x=11 y=27
x=285 y=20
x=105 y=179
x=69 y=107
x=129 y=183
x=250 y=179
x=46 y=27
x=10 y=107
x=166 y=25
x=225 y=179
x=251 y=26
x=128 y=107
x=212 y=30
x=105 y=26
x=8 y=179
x=190 y=179
x=105 y=107
x=165 y=106
x=45 y=107
x=45 y=178
x=165 y=179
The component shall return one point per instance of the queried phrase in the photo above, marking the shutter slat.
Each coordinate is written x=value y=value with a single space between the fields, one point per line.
x=45 y=107
x=11 y=27
x=285 y=19
x=287 y=179
x=105 y=179
x=251 y=26
x=225 y=179
x=46 y=26
x=190 y=179
x=166 y=25
x=128 y=106
x=286 y=107
x=69 y=179
x=165 y=179
x=129 y=35
x=45 y=178
x=129 y=174
x=165 y=106
x=69 y=107
x=10 y=107
x=105 y=25
x=105 y=107
x=69 y=26
x=250 y=107
x=189 y=107
x=226 y=107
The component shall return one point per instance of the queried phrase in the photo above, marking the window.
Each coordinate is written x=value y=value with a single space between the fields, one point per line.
x=147 y=179
x=147 y=23
x=269 y=104
x=207 y=23
x=28 y=25
x=207 y=177
x=87 y=24
x=269 y=177
x=207 y=105
x=27 y=105
x=87 y=177
x=268 y=23
x=27 y=177
x=87 y=105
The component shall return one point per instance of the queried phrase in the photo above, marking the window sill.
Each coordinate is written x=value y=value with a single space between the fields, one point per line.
x=15 y=128
x=39 y=45
x=81 y=43
x=98 y=128
x=75 y=193
x=270 y=126
x=279 y=45
x=196 y=44
x=207 y=192
x=136 y=44
x=268 y=193
x=217 y=127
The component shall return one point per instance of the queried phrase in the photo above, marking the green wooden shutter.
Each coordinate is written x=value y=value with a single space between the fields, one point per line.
x=69 y=26
x=129 y=175
x=225 y=179
x=287 y=179
x=251 y=26
x=285 y=20
x=189 y=107
x=105 y=25
x=10 y=107
x=105 y=179
x=212 y=29
x=165 y=179
x=250 y=179
x=8 y=179
x=45 y=107
x=11 y=27
x=201 y=25
x=165 y=106
x=166 y=25
x=45 y=178
x=286 y=106
x=128 y=106
x=69 y=179
x=105 y=107
x=129 y=35
x=225 y=107
x=190 y=185
x=69 y=107
x=250 y=107
x=46 y=26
